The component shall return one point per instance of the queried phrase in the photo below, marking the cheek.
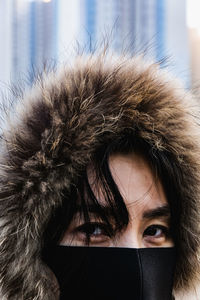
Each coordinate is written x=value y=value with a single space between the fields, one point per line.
x=150 y=242
x=169 y=243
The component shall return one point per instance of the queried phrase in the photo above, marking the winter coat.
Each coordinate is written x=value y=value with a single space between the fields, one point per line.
x=49 y=137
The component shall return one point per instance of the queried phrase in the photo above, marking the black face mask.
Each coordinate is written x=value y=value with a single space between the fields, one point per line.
x=95 y=273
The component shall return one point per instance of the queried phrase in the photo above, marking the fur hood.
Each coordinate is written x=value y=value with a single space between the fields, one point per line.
x=51 y=136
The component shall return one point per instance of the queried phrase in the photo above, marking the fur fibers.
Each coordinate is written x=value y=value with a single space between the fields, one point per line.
x=50 y=139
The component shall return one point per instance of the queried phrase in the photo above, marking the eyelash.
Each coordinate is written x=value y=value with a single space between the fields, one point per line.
x=88 y=230
x=165 y=229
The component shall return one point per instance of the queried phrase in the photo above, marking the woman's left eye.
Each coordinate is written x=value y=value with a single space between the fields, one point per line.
x=156 y=232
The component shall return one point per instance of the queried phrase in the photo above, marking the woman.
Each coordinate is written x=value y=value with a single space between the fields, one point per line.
x=100 y=186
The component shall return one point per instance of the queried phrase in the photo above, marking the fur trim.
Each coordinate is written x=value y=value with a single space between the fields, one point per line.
x=54 y=132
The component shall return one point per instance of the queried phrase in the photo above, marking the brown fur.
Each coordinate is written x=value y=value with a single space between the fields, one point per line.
x=51 y=138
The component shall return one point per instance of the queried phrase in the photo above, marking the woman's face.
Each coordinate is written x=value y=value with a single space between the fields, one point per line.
x=144 y=197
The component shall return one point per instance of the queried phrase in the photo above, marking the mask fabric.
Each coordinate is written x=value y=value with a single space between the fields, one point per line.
x=95 y=273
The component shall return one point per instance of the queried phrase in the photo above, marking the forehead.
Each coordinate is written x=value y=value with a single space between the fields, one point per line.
x=136 y=181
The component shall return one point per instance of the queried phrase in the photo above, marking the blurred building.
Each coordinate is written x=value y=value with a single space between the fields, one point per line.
x=193 y=21
x=20 y=39
x=150 y=26
x=6 y=14
x=28 y=37
x=194 y=38
x=176 y=40
x=42 y=32
x=132 y=25
x=71 y=22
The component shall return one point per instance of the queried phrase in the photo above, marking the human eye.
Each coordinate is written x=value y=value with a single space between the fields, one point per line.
x=92 y=233
x=157 y=234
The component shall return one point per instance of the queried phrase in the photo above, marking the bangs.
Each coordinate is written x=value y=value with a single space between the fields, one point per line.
x=95 y=196
x=100 y=197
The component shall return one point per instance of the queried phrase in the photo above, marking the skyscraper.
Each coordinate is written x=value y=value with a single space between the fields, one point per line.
x=176 y=39
x=6 y=17
x=43 y=33
x=152 y=27
x=71 y=27
x=28 y=38
x=20 y=49
x=134 y=25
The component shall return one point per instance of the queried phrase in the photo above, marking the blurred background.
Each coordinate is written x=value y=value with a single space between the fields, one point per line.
x=35 y=33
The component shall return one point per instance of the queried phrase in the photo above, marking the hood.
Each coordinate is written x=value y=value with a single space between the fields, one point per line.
x=50 y=137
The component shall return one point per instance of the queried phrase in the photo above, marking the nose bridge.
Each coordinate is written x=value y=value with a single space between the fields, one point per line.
x=130 y=238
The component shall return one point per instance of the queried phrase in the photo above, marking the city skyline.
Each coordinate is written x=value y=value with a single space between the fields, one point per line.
x=40 y=32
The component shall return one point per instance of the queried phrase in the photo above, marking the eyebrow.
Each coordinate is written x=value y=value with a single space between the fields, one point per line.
x=158 y=212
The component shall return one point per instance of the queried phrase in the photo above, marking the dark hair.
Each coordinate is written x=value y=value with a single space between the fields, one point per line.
x=81 y=197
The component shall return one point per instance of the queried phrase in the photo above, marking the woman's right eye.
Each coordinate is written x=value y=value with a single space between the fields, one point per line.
x=92 y=232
